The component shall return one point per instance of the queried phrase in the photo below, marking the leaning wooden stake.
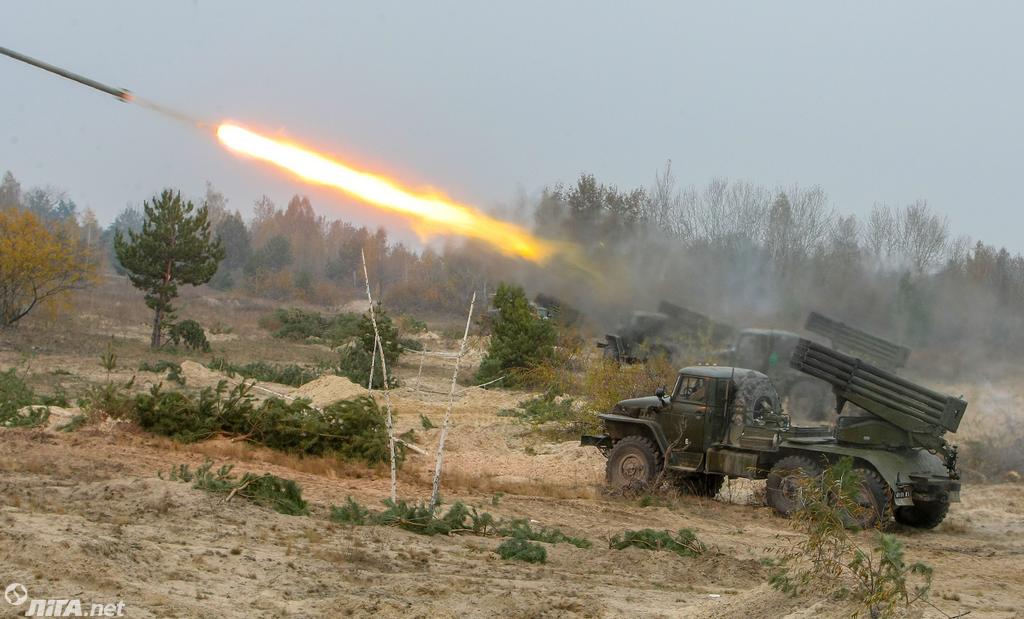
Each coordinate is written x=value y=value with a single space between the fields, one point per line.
x=377 y=345
x=419 y=375
x=448 y=414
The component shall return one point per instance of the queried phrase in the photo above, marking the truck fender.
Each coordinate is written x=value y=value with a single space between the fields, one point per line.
x=895 y=467
x=620 y=426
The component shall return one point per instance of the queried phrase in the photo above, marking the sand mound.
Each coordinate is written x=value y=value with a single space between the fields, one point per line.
x=195 y=372
x=328 y=390
x=58 y=416
x=465 y=439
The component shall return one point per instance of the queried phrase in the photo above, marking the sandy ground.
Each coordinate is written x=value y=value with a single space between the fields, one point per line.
x=86 y=516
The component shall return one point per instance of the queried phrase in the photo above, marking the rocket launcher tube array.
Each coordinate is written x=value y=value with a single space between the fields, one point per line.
x=902 y=402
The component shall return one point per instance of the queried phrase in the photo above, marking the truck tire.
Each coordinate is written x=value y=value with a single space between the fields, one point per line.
x=875 y=500
x=785 y=485
x=923 y=515
x=757 y=397
x=633 y=461
x=700 y=484
x=807 y=402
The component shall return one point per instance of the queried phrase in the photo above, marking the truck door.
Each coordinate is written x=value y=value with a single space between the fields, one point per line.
x=685 y=426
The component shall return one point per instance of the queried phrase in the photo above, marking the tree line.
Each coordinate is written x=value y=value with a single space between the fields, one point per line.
x=730 y=248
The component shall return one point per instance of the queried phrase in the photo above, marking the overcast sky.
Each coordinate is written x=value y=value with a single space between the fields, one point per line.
x=885 y=102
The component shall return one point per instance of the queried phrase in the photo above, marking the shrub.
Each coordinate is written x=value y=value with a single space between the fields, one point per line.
x=351 y=513
x=300 y=325
x=191 y=334
x=521 y=529
x=282 y=495
x=516 y=549
x=354 y=430
x=521 y=341
x=173 y=370
x=408 y=325
x=293 y=375
x=109 y=400
x=14 y=395
x=685 y=544
x=540 y=410
x=458 y=520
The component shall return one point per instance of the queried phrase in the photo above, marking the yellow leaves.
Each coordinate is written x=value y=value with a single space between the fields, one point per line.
x=41 y=264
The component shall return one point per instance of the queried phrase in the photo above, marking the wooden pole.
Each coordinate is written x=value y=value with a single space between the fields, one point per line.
x=423 y=357
x=378 y=345
x=448 y=414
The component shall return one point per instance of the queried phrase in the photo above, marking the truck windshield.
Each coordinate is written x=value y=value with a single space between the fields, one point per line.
x=692 y=389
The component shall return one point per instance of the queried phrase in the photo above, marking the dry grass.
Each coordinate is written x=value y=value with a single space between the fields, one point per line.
x=220 y=448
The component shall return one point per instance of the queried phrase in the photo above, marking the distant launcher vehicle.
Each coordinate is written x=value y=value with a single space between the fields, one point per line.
x=553 y=308
x=665 y=332
x=544 y=306
x=764 y=350
x=877 y=351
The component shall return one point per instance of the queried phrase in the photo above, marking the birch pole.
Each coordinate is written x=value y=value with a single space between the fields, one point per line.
x=448 y=414
x=378 y=345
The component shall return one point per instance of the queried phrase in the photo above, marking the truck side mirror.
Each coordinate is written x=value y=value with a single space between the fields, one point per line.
x=660 y=392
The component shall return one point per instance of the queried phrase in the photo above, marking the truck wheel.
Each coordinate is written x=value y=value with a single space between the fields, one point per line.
x=786 y=482
x=922 y=515
x=807 y=402
x=700 y=484
x=875 y=500
x=633 y=461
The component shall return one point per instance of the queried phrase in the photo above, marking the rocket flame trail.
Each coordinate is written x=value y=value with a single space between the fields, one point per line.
x=433 y=213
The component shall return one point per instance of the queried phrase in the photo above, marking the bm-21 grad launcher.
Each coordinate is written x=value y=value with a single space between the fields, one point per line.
x=721 y=422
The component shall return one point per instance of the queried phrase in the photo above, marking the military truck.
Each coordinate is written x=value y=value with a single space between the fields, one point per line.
x=726 y=422
x=661 y=333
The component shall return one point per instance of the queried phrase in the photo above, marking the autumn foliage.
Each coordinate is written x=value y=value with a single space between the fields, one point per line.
x=41 y=265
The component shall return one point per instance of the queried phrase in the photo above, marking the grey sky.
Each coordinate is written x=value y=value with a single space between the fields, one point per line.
x=874 y=102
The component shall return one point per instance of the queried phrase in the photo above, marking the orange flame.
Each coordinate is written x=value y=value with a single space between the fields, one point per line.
x=434 y=213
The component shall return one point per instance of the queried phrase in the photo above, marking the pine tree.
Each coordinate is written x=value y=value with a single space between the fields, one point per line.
x=521 y=340
x=173 y=247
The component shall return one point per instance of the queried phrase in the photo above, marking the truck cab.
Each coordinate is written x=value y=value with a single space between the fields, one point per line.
x=716 y=421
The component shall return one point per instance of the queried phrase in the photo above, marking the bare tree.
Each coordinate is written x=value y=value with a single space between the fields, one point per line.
x=912 y=233
x=724 y=214
x=924 y=235
x=881 y=235
x=664 y=204
x=216 y=204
